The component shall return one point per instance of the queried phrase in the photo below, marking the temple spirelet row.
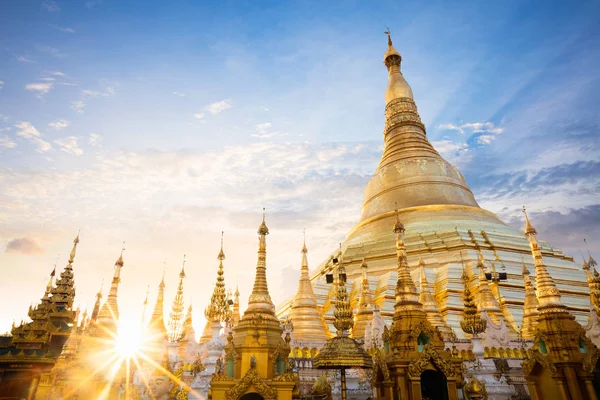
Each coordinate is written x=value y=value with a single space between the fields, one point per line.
x=428 y=297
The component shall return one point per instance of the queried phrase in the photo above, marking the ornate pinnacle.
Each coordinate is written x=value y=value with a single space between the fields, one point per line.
x=406 y=291
x=471 y=322
x=218 y=307
x=75 y=242
x=529 y=229
x=263 y=229
x=343 y=312
x=591 y=262
x=177 y=309
x=260 y=299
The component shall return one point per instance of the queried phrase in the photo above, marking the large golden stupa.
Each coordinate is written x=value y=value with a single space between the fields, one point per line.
x=444 y=224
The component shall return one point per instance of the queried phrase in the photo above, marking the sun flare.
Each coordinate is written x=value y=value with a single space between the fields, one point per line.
x=129 y=340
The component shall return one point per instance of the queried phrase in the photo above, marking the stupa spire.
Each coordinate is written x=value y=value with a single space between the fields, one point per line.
x=145 y=306
x=547 y=293
x=96 y=309
x=364 y=312
x=485 y=299
x=235 y=315
x=307 y=320
x=176 y=315
x=471 y=322
x=218 y=309
x=530 y=306
x=157 y=321
x=406 y=291
x=110 y=309
x=429 y=304
x=342 y=312
x=260 y=299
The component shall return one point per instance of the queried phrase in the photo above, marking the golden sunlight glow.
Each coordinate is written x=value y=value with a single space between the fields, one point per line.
x=129 y=340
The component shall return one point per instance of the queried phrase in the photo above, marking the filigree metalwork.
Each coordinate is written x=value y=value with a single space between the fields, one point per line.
x=251 y=378
x=430 y=354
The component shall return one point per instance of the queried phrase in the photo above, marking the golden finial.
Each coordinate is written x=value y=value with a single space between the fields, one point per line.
x=262 y=229
x=398 y=226
x=75 y=242
x=120 y=260
x=471 y=321
x=525 y=271
x=304 y=249
x=221 y=255
x=529 y=229
x=182 y=273
x=591 y=262
x=389 y=35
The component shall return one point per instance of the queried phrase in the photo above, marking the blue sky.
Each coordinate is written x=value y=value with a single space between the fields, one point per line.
x=163 y=123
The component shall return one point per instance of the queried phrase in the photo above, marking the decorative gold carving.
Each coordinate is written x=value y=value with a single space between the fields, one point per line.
x=251 y=378
x=430 y=354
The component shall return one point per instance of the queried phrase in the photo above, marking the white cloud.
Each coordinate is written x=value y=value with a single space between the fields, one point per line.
x=3 y=117
x=57 y=73
x=23 y=59
x=263 y=131
x=199 y=115
x=94 y=139
x=1 y=84
x=265 y=108
x=7 y=142
x=60 y=28
x=69 y=145
x=40 y=87
x=48 y=79
x=484 y=132
x=219 y=106
x=110 y=90
x=59 y=124
x=53 y=51
x=78 y=106
x=29 y=132
x=263 y=127
x=50 y=6
x=457 y=153
x=179 y=94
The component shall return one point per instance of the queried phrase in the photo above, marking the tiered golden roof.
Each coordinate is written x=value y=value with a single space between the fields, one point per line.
x=306 y=318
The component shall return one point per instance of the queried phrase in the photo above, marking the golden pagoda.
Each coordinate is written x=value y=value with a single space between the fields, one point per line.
x=306 y=317
x=176 y=316
x=443 y=221
x=257 y=355
x=364 y=311
x=418 y=363
x=31 y=350
x=563 y=360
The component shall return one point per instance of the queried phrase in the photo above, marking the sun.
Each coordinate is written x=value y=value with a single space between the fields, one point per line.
x=129 y=340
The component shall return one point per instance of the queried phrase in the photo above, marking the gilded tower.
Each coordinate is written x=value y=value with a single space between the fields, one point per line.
x=443 y=221
x=305 y=314
x=256 y=358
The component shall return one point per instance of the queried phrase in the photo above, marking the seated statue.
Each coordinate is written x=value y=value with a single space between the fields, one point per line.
x=160 y=385
x=322 y=388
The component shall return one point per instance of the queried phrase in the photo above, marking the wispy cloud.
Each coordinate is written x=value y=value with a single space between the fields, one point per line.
x=1 y=84
x=179 y=94
x=41 y=88
x=7 y=142
x=94 y=139
x=26 y=246
x=58 y=73
x=219 y=106
x=69 y=145
x=50 y=6
x=23 y=59
x=59 y=124
x=3 y=117
x=78 y=106
x=28 y=131
x=263 y=131
x=483 y=132
x=199 y=115
x=109 y=91
x=458 y=153
x=60 y=28
x=53 y=51
x=92 y=3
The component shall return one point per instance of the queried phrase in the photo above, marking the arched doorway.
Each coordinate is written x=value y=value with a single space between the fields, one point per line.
x=433 y=385
x=252 y=396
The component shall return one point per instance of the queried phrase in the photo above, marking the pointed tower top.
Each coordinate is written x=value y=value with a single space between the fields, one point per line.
x=304 y=255
x=221 y=255
x=120 y=260
x=529 y=229
x=263 y=229
x=397 y=87
x=75 y=243
x=525 y=271
x=398 y=226
x=591 y=262
x=182 y=273
x=391 y=51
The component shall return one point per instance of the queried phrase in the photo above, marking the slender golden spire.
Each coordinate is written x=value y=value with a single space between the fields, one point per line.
x=177 y=308
x=235 y=316
x=364 y=312
x=187 y=329
x=471 y=322
x=96 y=309
x=397 y=86
x=530 y=306
x=429 y=304
x=145 y=306
x=218 y=308
x=547 y=293
x=342 y=312
x=260 y=299
x=406 y=291
x=110 y=310
x=157 y=321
